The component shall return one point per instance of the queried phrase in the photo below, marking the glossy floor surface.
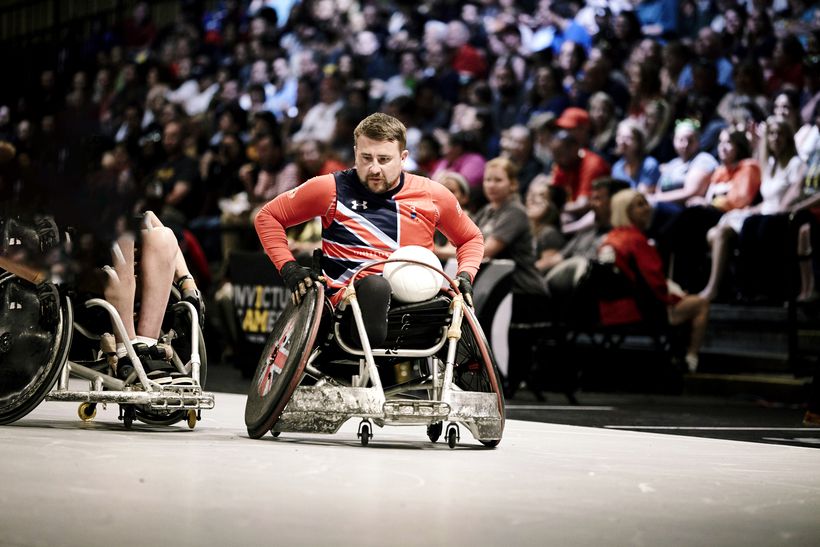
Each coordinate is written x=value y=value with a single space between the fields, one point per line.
x=65 y=482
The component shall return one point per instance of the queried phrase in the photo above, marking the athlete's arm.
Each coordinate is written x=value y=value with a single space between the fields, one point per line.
x=315 y=198
x=459 y=229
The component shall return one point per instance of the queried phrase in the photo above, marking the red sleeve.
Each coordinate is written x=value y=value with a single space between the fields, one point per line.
x=314 y=198
x=745 y=185
x=454 y=223
x=592 y=168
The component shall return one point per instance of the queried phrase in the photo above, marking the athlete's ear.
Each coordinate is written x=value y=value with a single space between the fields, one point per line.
x=404 y=154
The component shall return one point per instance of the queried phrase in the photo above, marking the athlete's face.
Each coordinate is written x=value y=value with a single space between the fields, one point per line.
x=378 y=163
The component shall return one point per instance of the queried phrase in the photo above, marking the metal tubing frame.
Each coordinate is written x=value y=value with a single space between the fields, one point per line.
x=119 y=330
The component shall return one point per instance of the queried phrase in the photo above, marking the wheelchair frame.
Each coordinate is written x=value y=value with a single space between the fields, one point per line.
x=156 y=401
x=327 y=405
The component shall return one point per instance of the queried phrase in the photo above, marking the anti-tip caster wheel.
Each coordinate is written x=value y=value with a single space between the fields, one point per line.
x=87 y=411
x=434 y=431
x=365 y=432
x=275 y=433
x=128 y=415
x=192 y=418
x=452 y=435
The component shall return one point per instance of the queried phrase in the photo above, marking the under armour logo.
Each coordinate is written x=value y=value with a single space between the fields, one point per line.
x=15 y=306
x=358 y=205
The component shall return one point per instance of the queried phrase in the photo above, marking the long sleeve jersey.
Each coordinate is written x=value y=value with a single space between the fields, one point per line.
x=359 y=226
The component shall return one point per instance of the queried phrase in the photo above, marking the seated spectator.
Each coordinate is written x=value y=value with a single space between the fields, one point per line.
x=786 y=104
x=545 y=94
x=267 y=177
x=689 y=173
x=656 y=122
x=543 y=205
x=640 y=262
x=734 y=184
x=460 y=154
x=807 y=138
x=457 y=184
x=684 y=177
x=786 y=64
x=174 y=188
x=749 y=87
x=602 y=124
x=517 y=145
x=313 y=159
x=634 y=166
x=575 y=169
x=762 y=226
x=504 y=225
x=321 y=118
x=585 y=242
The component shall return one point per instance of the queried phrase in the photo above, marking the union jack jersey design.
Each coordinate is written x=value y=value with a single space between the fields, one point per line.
x=359 y=226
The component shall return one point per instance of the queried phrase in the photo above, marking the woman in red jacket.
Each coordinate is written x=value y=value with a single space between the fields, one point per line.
x=640 y=262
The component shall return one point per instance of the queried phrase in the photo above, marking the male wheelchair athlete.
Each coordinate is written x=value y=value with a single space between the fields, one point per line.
x=312 y=378
x=42 y=345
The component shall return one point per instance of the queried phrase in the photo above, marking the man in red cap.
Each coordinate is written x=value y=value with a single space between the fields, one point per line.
x=576 y=121
x=575 y=168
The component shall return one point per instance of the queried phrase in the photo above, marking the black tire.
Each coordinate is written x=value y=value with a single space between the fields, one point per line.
x=365 y=435
x=475 y=366
x=128 y=415
x=282 y=363
x=434 y=431
x=32 y=354
x=452 y=437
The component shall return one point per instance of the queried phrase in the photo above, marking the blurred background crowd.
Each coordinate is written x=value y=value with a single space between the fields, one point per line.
x=706 y=108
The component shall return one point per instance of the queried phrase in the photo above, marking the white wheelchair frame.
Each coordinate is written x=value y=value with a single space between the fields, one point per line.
x=163 y=395
x=325 y=406
x=160 y=401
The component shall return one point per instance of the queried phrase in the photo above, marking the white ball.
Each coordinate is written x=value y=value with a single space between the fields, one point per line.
x=413 y=282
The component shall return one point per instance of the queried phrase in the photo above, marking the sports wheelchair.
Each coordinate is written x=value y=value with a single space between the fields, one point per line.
x=43 y=345
x=435 y=366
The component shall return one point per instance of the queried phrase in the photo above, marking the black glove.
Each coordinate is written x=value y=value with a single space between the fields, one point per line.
x=297 y=279
x=466 y=287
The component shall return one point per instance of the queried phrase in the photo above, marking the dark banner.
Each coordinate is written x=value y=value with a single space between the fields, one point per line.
x=259 y=298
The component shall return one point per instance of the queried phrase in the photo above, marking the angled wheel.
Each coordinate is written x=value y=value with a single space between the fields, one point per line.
x=35 y=336
x=475 y=366
x=282 y=363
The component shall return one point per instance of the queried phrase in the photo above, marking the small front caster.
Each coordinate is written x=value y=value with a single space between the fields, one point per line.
x=365 y=432
x=127 y=415
x=452 y=435
x=87 y=411
x=275 y=433
x=192 y=419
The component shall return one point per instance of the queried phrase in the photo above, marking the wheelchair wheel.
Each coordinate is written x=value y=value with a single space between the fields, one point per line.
x=476 y=369
x=180 y=322
x=34 y=344
x=282 y=363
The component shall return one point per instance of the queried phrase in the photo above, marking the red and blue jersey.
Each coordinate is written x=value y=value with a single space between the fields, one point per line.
x=359 y=226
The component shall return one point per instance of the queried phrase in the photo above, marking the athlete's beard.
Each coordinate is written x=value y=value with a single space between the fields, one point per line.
x=379 y=185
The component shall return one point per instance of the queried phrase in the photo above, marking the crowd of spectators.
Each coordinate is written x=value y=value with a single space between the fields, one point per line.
x=206 y=118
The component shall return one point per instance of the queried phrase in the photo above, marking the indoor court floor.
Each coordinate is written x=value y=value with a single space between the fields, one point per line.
x=65 y=483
